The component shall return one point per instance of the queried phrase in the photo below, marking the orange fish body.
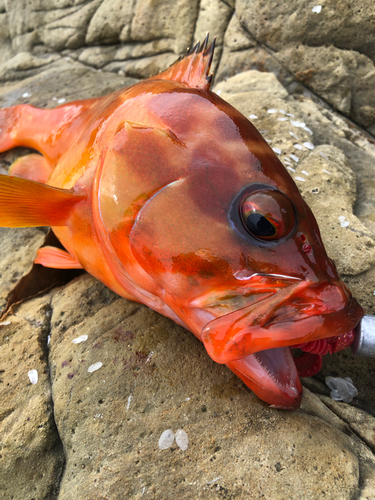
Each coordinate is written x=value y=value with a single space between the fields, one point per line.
x=172 y=198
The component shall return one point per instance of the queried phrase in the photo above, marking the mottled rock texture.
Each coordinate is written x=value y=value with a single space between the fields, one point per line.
x=83 y=435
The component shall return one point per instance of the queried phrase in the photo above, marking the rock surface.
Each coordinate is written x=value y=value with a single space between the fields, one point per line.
x=80 y=434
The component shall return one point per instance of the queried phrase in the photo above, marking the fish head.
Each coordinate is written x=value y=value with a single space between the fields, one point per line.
x=233 y=247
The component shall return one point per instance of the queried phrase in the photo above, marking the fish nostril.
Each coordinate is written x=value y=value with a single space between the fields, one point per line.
x=306 y=248
x=303 y=238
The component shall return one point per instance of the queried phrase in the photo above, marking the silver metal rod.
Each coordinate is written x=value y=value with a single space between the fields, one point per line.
x=364 y=343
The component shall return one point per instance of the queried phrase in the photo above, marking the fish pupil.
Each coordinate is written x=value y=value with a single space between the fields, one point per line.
x=260 y=225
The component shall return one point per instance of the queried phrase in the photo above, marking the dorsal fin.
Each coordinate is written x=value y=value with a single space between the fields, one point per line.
x=192 y=69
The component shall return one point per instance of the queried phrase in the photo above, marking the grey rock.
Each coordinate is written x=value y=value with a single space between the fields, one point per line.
x=213 y=17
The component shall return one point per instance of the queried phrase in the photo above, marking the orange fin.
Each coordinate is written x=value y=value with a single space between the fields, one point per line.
x=25 y=203
x=193 y=69
x=33 y=167
x=56 y=258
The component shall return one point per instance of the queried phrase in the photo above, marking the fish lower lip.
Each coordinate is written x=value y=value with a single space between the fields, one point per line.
x=272 y=375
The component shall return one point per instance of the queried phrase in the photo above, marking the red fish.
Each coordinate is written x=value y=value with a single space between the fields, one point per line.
x=172 y=198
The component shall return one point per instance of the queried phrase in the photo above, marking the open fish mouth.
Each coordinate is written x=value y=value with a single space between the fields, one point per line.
x=255 y=341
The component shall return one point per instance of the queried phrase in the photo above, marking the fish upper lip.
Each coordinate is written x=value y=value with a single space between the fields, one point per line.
x=276 y=320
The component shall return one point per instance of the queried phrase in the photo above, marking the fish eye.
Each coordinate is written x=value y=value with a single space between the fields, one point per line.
x=267 y=215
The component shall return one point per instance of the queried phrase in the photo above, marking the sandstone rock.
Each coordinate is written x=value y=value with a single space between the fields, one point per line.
x=17 y=249
x=111 y=420
x=340 y=23
x=32 y=456
x=343 y=78
x=111 y=19
x=153 y=20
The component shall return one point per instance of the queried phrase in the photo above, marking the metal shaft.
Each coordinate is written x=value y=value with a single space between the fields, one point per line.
x=364 y=343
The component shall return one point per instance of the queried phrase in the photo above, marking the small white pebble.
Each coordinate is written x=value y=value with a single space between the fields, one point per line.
x=80 y=339
x=300 y=179
x=129 y=401
x=294 y=157
x=283 y=119
x=25 y=94
x=54 y=98
x=304 y=172
x=218 y=92
x=344 y=223
x=268 y=140
x=341 y=218
x=182 y=439
x=188 y=399
x=48 y=339
x=277 y=151
x=317 y=9
x=298 y=146
x=290 y=114
x=95 y=367
x=282 y=111
x=326 y=171
x=60 y=101
x=323 y=155
x=5 y=323
x=308 y=145
x=253 y=117
x=291 y=168
x=374 y=292
x=271 y=110
x=166 y=439
x=294 y=135
x=33 y=376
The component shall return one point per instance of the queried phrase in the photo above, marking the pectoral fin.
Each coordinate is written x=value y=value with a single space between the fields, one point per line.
x=56 y=258
x=33 y=167
x=25 y=203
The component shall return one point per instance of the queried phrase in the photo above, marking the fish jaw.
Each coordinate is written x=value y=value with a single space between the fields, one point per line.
x=272 y=376
x=300 y=313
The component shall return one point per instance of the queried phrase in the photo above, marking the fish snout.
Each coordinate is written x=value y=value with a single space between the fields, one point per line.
x=304 y=312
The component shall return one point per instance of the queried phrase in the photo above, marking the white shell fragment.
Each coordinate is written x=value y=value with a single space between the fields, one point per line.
x=341 y=218
x=296 y=123
x=317 y=9
x=271 y=110
x=94 y=367
x=182 y=439
x=300 y=179
x=294 y=157
x=342 y=389
x=60 y=101
x=166 y=439
x=25 y=94
x=5 y=323
x=33 y=376
x=304 y=172
x=253 y=117
x=277 y=151
x=283 y=119
x=291 y=169
x=298 y=146
x=326 y=171
x=80 y=339
x=294 y=135
x=308 y=145
x=345 y=223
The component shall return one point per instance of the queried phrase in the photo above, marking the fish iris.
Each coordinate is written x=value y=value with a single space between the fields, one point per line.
x=268 y=215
